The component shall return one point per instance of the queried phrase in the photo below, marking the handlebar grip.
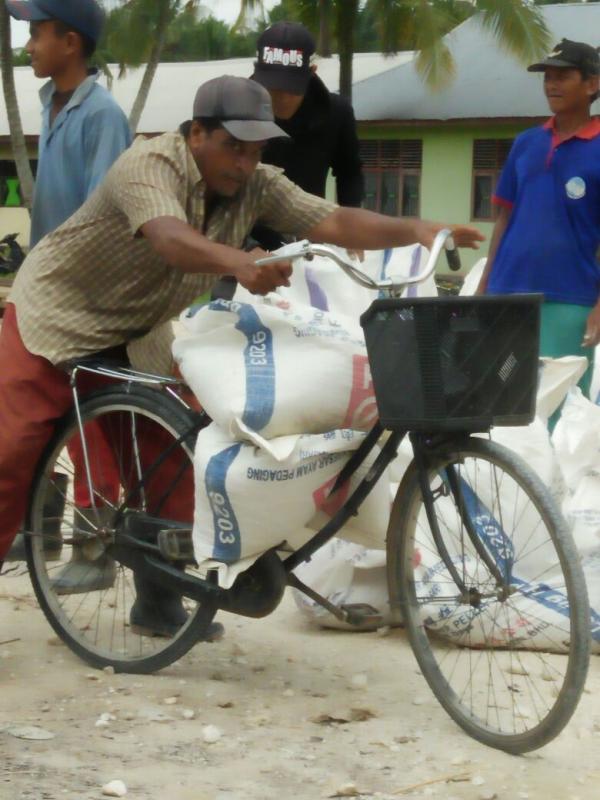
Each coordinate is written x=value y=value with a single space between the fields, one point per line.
x=452 y=255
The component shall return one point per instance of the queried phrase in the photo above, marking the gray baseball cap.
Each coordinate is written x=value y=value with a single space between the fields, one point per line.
x=242 y=105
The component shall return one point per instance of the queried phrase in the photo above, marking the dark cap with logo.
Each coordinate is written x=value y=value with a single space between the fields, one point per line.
x=571 y=55
x=283 y=57
x=83 y=16
x=243 y=107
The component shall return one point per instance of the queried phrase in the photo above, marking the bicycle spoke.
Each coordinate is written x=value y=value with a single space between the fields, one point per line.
x=97 y=620
x=488 y=649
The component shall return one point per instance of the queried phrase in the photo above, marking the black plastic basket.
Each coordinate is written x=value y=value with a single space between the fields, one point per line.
x=454 y=363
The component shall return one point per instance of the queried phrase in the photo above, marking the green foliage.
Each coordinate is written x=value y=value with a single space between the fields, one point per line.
x=20 y=58
x=387 y=25
x=207 y=39
x=517 y=27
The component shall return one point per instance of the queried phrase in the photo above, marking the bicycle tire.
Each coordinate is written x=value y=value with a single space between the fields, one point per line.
x=424 y=596
x=128 y=408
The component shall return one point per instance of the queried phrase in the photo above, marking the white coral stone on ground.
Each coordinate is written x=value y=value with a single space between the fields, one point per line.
x=114 y=789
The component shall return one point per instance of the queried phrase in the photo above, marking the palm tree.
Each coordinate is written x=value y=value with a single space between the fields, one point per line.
x=248 y=8
x=17 y=139
x=517 y=25
x=324 y=40
x=138 y=35
x=518 y=28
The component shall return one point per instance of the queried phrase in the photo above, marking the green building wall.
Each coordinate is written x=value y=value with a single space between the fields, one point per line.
x=447 y=170
x=446 y=176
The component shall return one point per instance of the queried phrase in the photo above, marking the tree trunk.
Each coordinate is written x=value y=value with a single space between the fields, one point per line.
x=324 y=41
x=17 y=139
x=162 y=24
x=347 y=14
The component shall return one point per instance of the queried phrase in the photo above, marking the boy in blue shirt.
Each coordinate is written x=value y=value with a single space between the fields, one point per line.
x=83 y=129
x=83 y=132
x=547 y=233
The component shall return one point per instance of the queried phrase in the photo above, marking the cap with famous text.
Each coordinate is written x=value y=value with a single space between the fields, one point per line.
x=243 y=107
x=83 y=16
x=573 y=55
x=283 y=57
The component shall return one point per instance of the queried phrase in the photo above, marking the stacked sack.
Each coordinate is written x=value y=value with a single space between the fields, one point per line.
x=286 y=382
x=569 y=465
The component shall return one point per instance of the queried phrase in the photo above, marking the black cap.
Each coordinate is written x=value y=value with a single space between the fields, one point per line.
x=243 y=107
x=571 y=55
x=83 y=16
x=283 y=57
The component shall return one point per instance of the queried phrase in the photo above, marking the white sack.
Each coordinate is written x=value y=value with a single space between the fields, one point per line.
x=345 y=574
x=321 y=283
x=276 y=369
x=248 y=502
x=576 y=441
x=473 y=277
x=595 y=384
x=556 y=377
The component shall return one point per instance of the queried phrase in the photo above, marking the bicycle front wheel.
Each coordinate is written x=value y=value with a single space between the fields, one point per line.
x=490 y=587
x=97 y=605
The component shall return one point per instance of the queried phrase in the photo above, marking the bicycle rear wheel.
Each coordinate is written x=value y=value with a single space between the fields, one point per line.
x=126 y=431
x=494 y=600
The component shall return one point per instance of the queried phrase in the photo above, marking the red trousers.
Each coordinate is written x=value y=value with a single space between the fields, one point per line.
x=34 y=394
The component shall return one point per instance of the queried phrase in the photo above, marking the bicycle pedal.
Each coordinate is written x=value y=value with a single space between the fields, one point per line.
x=175 y=544
x=363 y=615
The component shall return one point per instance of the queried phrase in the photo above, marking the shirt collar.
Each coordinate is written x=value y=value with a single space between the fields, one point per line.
x=588 y=131
x=195 y=179
x=79 y=95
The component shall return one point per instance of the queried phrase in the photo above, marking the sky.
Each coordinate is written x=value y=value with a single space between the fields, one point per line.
x=226 y=10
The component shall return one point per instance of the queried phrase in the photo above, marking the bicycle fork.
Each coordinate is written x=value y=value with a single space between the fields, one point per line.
x=451 y=485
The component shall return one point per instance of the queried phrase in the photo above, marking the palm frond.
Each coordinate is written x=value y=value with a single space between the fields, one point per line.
x=247 y=8
x=434 y=61
x=395 y=22
x=519 y=28
x=105 y=70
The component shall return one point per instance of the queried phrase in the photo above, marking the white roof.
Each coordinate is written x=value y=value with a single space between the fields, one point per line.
x=175 y=84
x=489 y=83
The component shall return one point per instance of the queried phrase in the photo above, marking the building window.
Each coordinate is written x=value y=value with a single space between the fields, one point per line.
x=489 y=156
x=392 y=170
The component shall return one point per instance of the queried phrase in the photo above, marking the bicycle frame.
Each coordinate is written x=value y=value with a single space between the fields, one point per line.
x=136 y=545
x=124 y=375
x=144 y=555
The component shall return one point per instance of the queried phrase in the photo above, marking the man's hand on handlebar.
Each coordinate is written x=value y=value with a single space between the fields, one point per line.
x=463 y=235
x=262 y=279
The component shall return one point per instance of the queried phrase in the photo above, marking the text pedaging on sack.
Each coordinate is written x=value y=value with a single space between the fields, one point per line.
x=276 y=475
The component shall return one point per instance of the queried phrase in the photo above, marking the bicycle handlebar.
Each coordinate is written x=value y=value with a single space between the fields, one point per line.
x=305 y=249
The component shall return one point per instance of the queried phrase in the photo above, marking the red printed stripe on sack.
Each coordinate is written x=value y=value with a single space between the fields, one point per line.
x=362 y=408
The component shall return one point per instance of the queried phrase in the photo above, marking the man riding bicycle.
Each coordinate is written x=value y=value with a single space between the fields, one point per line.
x=168 y=220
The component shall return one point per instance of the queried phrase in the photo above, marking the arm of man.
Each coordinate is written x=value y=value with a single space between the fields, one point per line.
x=107 y=135
x=150 y=188
x=184 y=248
x=358 y=229
x=346 y=164
x=285 y=207
x=499 y=229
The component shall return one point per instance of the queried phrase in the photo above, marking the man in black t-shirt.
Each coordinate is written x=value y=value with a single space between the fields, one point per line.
x=320 y=124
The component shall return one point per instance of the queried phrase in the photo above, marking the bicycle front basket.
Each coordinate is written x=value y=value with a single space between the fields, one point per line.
x=454 y=363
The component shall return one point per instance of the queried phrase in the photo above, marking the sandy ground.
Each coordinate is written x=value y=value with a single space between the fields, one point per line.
x=263 y=687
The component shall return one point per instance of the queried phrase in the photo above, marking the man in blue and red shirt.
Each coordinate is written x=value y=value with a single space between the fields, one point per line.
x=547 y=232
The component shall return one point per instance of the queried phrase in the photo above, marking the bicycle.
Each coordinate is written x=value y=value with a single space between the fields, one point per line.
x=467 y=522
